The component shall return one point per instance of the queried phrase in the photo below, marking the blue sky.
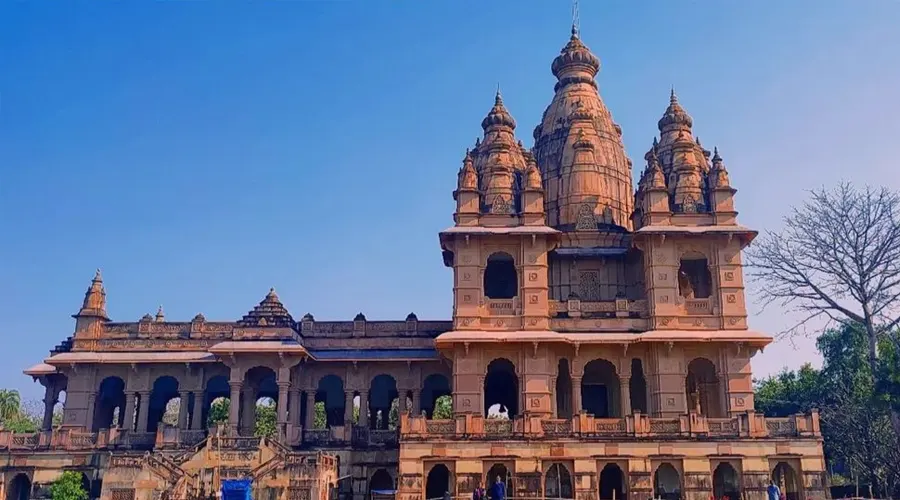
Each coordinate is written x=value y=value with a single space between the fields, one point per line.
x=202 y=152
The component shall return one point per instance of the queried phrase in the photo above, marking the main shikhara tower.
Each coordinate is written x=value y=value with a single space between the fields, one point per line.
x=598 y=348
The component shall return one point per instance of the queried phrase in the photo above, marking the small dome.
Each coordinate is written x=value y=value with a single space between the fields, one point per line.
x=498 y=115
x=675 y=115
x=575 y=58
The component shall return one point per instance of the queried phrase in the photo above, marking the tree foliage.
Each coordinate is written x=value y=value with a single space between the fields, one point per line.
x=19 y=416
x=266 y=418
x=68 y=487
x=218 y=412
x=443 y=408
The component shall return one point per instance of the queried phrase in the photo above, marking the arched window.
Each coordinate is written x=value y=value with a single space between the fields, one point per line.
x=694 y=278
x=501 y=390
x=703 y=391
x=666 y=483
x=600 y=389
x=500 y=278
x=438 y=482
x=558 y=482
x=638 y=387
x=726 y=483
x=612 y=483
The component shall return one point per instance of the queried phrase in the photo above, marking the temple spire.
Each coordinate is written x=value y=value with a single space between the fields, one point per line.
x=160 y=315
x=94 y=304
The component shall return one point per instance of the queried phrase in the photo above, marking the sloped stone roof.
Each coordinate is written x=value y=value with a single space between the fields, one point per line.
x=270 y=312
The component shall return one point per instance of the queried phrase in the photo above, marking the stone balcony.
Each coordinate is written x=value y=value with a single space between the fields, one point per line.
x=748 y=425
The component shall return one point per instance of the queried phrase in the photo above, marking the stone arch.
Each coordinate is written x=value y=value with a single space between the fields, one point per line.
x=558 y=482
x=165 y=390
x=612 y=482
x=726 y=482
x=434 y=387
x=259 y=382
x=600 y=389
x=785 y=477
x=218 y=394
x=563 y=389
x=666 y=482
x=110 y=396
x=703 y=390
x=499 y=470
x=381 y=481
x=331 y=400
x=501 y=387
x=383 y=402
x=694 y=276
x=501 y=280
x=437 y=482
x=19 y=488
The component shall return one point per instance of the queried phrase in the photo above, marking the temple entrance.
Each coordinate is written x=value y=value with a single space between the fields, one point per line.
x=563 y=390
x=260 y=386
x=786 y=479
x=501 y=390
x=600 y=389
x=381 y=483
x=703 y=390
x=612 y=483
x=110 y=397
x=19 y=488
x=437 y=483
x=726 y=483
x=558 y=482
x=666 y=483
x=216 y=402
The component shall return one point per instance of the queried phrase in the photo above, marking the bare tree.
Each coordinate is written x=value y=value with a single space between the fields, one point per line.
x=836 y=259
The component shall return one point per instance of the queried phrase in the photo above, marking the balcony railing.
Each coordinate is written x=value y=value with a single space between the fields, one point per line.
x=699 y=307
x=637 y=426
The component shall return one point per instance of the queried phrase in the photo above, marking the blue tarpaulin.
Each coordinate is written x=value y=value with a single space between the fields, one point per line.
x=236 y=489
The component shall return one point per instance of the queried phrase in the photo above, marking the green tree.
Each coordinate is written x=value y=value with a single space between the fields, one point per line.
x=10 y=404
x=266 y=418
x=789 y=392
x=218 y=412
x=320 y=418
x=443 y=407
x=68 y=487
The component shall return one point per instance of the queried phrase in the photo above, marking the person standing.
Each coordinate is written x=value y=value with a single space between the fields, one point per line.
x=498 y=490
x=772 y=491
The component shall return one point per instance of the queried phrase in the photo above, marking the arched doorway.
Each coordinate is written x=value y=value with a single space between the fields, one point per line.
x=638 y=387
x=434 y=387
x=563 y=390
x=259 y=382
x=786 y=478
x=600 y=389
x=162 y=409
x=19 y=488
x=666 y=483
x=438 y=482
x=501 y=387
x=500 y=277
x=499 y=471
x=216 y=402
x=703 y=391
x=331 y=401
x=381 y=483
x=726 y=482
x=86 y=485
x=383 y=403
x=558 y=482
x=612 y=482
x=110 y=397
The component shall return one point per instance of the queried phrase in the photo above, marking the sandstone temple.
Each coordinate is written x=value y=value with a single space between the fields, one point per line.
x=598 y=348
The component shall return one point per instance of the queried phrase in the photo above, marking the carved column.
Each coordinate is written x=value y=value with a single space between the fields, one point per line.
x=130 y=400
x=348 y=408
x=283 y=388
x=294 y=411
x=197 y=413
x=92 y=398
x=183 y=397
x=234 y=406
x=625 y=396
x=143 y=411
x=401 y=401
x=416 y=409
x=248 y=411
x=576 y=396
x=49 y=402
x=364 y=408
x=310 y=409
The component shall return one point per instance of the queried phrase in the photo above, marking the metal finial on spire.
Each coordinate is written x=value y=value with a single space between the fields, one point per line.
x=672 y=97
x=576 y=21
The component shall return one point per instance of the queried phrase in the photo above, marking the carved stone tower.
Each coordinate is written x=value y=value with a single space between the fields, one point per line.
x=90 y=318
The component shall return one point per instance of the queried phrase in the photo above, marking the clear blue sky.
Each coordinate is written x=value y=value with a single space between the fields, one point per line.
x=202 y=152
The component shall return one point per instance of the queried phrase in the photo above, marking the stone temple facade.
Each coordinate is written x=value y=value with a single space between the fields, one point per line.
x=598 y=348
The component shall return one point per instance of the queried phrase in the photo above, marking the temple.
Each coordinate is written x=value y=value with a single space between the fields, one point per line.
x=598 y=349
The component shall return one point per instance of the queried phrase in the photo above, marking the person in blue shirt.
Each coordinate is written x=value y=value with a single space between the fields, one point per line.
x=773 y=492
x=498 y=490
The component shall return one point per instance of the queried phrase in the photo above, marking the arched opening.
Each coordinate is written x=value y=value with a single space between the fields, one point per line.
x=86 y=485
x=638 y=387
x=666 y=483
x=499 y=472
x=216 y=402
x=726 y=483
x=558 y=482
x=500 y=278
x=785 y=477
x=259 y=383
x=501 y=390
x=381 y=483
x=600 y=389
x=434 y=386
x=703 y=389
x=110 y=396
x=443 y=407
x=563 y=390
x=382 y=396
x=266 y=424
x=437 y=483
x=19 y=488
x=330 y=402
x=163 y=403
x=59 y=408
x=612 y=482
x=694 y=278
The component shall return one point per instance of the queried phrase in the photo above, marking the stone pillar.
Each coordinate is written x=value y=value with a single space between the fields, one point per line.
x=697 y=486
x=416 y=409
x=248 y=411
x=143 y=411
x=92 y=398
x=348 y=408
x=184 y=401
x=364 y=409
x=283 y=388
x=197 y=413
x=49 y=402
x=294 y=410
x=234 y=406
x=576 y=396
x=625 y=396
x=130 y=400
x=401 y=401
x=310 y=409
